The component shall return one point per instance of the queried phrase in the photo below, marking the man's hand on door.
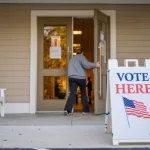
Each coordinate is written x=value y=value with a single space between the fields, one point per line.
x=98 y=64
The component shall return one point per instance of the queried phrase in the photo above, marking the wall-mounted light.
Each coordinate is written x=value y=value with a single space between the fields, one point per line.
x=77 y=32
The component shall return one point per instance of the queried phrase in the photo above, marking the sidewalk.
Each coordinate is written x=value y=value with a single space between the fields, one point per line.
x=23 y=131
x=54 y=137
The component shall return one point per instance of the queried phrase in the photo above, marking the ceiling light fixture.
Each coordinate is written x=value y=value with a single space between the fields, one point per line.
x=77 y=32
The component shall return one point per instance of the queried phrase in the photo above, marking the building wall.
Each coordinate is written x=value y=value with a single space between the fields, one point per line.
x=133 y=40
x=133 y=35
x=14 y=53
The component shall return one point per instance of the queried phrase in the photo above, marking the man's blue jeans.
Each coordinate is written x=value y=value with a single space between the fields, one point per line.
x=73 y=84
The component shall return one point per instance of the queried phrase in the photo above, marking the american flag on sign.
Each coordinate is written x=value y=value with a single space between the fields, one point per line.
x=135 y=108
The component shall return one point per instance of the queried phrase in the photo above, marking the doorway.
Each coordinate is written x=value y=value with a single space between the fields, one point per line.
x=55 y=102
x=83 y=37
x=92 y=35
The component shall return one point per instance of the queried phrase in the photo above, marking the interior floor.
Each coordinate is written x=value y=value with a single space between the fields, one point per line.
x=78 y=106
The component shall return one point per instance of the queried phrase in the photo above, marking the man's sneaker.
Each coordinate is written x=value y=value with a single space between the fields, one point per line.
x=66 y=113
x=85 y=113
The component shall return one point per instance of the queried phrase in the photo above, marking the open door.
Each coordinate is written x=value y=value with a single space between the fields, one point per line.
x=101 y=54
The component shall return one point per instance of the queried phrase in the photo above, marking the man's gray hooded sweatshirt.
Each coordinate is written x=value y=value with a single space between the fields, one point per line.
x=77 y=66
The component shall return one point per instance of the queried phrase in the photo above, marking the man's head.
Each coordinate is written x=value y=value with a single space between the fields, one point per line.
x=79 y=51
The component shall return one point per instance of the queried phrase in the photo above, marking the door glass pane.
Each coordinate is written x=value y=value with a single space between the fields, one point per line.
x=55 y=36
x=54 y=87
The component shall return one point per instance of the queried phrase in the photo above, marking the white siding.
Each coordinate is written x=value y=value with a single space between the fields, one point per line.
x=133 y=40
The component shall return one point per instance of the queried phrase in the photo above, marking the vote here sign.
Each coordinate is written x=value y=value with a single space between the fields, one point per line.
x=130 y=103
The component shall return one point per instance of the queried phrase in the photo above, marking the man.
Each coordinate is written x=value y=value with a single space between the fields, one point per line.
x=89 y=86
x=77 y=77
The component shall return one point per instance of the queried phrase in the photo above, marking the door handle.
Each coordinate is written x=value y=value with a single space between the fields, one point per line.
x=100 y=49
x=69 y=53
x=69 y=56
x=100 y=69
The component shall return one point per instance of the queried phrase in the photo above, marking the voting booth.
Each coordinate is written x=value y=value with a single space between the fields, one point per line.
x=127 y=115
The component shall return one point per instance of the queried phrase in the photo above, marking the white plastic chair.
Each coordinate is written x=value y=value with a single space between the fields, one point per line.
x=2 y=102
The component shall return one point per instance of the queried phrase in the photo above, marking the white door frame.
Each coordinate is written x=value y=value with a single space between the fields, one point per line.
x=60 y=13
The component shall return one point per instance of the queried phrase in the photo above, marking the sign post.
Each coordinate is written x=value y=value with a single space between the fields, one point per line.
x=128 y=102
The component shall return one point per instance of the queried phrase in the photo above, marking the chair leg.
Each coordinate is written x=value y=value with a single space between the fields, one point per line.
x=2 y=110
